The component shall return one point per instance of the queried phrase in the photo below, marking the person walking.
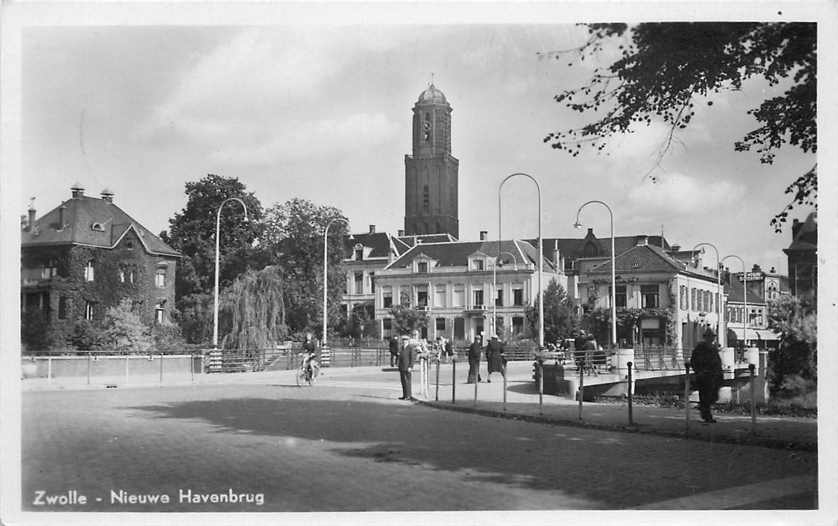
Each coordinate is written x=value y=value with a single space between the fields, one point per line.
x=474 y=351
x=407 y=355
x=449 y=349
x=495 y=358
x=707 y=365
x=394 y=350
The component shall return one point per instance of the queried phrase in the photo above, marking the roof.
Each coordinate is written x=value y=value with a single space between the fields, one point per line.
x=806 y=237
x=456 y=253
x=406 y=242
x=574 y=248
x=379 y=242
x=432 y=95
x=648 y=258
x=80 y=215
x=735 y=291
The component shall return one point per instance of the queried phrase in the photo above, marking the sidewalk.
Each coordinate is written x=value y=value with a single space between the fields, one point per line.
x=522 y=402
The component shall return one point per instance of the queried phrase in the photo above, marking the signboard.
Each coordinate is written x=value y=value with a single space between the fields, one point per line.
x=751 y=276
x=650 y=323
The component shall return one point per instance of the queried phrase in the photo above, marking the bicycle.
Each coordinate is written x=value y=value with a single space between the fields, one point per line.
x=307 y=375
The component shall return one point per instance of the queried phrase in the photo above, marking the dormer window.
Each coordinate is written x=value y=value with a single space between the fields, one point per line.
x=422 y=267
x=359 y=252
x=97 y=227
x=477 y=264
x=129 y=244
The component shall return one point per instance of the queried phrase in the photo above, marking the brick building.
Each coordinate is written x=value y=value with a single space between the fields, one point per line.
x=803 y=256
x=85 y=256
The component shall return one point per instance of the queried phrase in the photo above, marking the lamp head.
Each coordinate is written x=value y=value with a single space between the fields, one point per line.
x=577 y=224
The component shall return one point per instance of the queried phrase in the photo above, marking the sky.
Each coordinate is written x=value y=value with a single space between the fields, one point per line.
x=323 y=112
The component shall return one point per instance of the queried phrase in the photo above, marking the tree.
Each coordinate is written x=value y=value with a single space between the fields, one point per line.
x=405 y=318
x=252 y=313
x=796 y=321
x=666 y=65
x=124 y=331
x=361 y=322
x=559 y=313
x=192 y=232
x=293 y=237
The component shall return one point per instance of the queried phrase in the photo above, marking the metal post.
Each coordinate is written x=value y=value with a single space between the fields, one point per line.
x=540 y=366
x=49 y=368
x=631 y=419
x=436 y=396
x=687 y=398
x=217 y=248
x=89 y=365
x=475 y=392
x=454 y=381
x=581 y=388
x=753 y=401
x=161 y=368
x=191 y=368
x=126 y=367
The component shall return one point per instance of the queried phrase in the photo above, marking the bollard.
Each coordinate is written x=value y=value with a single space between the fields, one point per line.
x=436 y=396
x=161 y=368
x=581 y=388
x=475 y=393
x=89 y=365
x=453 y=381
x=126 y=368
x=191 y=368
x=540 y=366
x=687 y=399
x=49 y=369
x=631 y=419
x=753 y=401
x=504 y=388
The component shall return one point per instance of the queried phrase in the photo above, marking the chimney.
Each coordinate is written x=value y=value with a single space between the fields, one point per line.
x=61 y=217
x=31 y=222
x=107 y=195
x=372 y=229
x=484 y=235
x=400 y=233
x=795 y=227
x=23 y=221
x=642 y=241
x=77 y=190
x=773 y=270
x=756 y=268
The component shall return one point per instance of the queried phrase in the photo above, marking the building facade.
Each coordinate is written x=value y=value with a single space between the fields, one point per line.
x=748 y=324
x=803 y=257
x=85 y=256
x=454 y=283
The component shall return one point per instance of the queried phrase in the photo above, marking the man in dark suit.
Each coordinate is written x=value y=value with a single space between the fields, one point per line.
x=407 y=354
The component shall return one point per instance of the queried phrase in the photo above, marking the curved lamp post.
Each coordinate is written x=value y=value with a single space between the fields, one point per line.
x=540 y=260
x=747 y=318
x=326 y=270
x=217 y=244
x=577 y=224
x=722 y=339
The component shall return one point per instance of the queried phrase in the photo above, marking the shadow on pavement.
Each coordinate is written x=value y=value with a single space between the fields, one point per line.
x=615 y=469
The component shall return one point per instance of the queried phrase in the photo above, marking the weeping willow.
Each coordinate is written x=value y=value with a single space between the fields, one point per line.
x=252 y=311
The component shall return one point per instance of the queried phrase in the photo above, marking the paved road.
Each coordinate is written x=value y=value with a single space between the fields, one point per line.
x=344 y=447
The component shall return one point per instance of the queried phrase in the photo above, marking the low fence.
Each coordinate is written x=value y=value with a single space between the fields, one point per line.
x=112 y=368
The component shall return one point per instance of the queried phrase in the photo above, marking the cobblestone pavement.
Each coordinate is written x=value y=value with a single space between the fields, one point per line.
x=348 y=444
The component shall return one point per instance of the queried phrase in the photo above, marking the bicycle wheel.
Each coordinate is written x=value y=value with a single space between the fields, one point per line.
x=315 y=372
x=301 y=377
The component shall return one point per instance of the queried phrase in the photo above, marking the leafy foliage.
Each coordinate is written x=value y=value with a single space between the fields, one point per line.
x=664 y=66
x=252 y=311
x=406 y=318
x=795 y=319
x=124 y=332
x=86 y=336
x=361 y=323
x=560 y=321
x=293 y=239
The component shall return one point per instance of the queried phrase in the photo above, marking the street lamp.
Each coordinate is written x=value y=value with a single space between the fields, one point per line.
x=326 y=270
x=578 y=224
x=744 y=296
x=540 y=260
x=722 y=339
x=217 y=239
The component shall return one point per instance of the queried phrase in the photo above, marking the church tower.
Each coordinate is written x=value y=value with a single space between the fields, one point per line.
x=430 y=199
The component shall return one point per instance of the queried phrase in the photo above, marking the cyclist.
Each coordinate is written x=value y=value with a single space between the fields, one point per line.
x=309 y=352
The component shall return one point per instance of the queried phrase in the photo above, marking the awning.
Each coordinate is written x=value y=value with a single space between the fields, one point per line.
x=754 y=334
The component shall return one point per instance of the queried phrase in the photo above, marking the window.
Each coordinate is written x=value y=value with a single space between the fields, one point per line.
x=426 y=198
x=694 y=299
x=478 y=264
x=439 y=296
x=387 y=324
x=88 y=271
x=359 y=253
x=422 y=297
x=50 y=269
x=649 y=296
x=160 y=278
x=499 y=326
x=89 y=310
x=359 y=283
x=682 y=297
x=459 y=297
x=620 y=297
x=372 y=282
x=422 y=267
x=478 y=298
x=517 y=325
x=387 y=297
x=459 y=328
x=63 y=307
x=158 y=314
x=518 y=296
x=499 y=298
x=440 y=325
x=129 y=244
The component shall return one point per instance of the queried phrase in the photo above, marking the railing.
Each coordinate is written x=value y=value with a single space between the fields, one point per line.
x=658 y=358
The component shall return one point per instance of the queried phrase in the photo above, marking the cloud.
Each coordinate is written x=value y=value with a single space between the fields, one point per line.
x=352 y=134
x=678 y=194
